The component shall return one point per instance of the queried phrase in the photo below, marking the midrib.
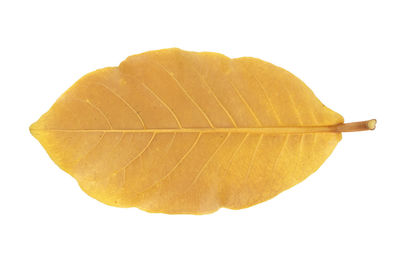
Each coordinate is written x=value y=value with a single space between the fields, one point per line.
x=265 y=130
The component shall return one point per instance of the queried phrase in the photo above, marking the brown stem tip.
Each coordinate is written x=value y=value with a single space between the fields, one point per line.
x=357 y=126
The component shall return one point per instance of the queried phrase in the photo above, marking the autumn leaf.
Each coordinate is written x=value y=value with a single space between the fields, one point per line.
x=183 y=132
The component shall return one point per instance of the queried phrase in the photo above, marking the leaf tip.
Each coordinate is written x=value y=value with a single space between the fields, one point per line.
x=33 y=129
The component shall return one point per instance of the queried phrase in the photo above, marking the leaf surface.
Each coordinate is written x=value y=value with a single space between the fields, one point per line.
x=183 y=132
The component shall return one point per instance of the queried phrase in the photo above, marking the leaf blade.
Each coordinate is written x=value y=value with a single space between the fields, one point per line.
x=189 y=105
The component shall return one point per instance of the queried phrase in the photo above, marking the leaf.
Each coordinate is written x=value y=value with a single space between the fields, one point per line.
x=182 y=132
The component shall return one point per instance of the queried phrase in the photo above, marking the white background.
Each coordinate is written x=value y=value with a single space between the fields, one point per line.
x=346 y=214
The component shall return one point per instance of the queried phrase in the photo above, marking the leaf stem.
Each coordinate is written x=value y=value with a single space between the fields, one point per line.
x=356 y=126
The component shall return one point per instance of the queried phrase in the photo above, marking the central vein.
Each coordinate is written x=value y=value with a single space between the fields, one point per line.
x=268 y=130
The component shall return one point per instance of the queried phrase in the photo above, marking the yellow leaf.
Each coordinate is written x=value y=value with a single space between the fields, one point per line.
x=182 y=132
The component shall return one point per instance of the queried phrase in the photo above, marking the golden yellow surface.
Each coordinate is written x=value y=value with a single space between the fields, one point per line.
x=183 y=132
